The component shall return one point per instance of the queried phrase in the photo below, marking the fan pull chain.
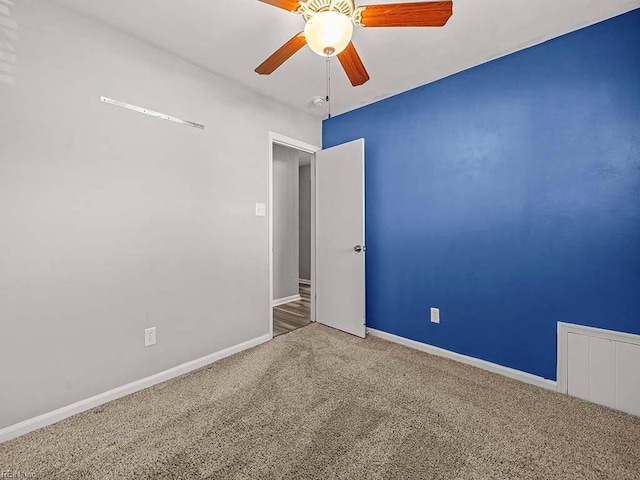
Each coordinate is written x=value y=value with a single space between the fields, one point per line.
x=329 y=85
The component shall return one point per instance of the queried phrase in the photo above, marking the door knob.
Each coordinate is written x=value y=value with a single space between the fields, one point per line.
x=360 y=248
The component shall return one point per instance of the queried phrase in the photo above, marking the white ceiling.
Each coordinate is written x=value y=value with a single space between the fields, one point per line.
x=232 y=37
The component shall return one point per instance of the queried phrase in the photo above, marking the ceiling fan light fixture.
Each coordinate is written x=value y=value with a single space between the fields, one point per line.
x=328 y=33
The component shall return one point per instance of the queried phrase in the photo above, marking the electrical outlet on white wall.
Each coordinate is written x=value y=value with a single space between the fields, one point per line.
x=435 y=315
x=150 y=337
x=261 y=210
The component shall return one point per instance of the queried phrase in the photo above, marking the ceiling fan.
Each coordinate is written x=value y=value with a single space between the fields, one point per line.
x=329 y=28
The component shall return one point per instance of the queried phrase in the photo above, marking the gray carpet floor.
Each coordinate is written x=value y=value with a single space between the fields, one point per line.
x=317 y=403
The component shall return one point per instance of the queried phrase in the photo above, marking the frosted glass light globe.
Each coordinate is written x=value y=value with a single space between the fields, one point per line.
x=328 y=33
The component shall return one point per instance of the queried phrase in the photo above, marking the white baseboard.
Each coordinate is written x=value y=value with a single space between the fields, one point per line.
x=282 y=301
x=304 y=282
x=55 y=416
x=475 y=362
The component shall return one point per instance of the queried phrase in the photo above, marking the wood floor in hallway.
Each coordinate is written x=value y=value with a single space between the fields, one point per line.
x=293 y=315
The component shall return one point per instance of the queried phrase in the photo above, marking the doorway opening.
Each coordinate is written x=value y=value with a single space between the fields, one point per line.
x=291 y=234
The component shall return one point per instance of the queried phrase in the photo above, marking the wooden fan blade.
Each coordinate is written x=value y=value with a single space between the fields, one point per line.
x=291 y=5
x=281 y=55
x=353 y=66
x=417 y=14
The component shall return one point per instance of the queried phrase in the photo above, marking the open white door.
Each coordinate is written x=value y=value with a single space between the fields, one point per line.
x=340 y=249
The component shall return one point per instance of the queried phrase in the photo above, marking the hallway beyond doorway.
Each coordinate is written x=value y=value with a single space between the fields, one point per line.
x=293 y=315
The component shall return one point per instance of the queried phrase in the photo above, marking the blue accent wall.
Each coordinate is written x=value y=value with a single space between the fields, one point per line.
x=508 y=195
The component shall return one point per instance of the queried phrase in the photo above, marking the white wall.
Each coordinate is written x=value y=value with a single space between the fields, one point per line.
x=285 y=222
x=112 y=221
x=305 y=222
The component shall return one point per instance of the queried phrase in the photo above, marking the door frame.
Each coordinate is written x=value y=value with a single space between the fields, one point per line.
x=277 y=139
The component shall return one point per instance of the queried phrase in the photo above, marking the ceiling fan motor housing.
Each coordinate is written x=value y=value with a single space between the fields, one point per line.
x=310 y=7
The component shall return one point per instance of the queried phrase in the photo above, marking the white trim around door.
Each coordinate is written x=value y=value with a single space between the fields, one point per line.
x=276 y=138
